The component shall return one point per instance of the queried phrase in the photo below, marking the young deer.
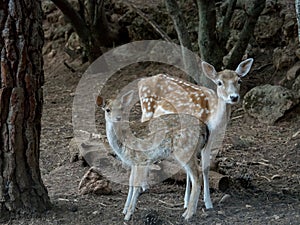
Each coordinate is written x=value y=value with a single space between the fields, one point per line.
x=162 y=94
x=177 y=136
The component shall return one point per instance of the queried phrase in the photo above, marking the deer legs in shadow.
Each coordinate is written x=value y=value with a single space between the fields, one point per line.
x=137 y=184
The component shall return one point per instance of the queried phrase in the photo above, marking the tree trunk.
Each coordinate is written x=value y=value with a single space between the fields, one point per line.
x=297 y=6
x=211 y=50
x=21 y=42
x=93 y=29
x=246 y=33
x=190 y=62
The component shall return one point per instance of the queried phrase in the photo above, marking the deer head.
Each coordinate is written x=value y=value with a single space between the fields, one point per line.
x=115 y=110
x=228 y=81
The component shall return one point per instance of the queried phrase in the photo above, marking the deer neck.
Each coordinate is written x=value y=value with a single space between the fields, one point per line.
x=113 y=133
x=219 y=114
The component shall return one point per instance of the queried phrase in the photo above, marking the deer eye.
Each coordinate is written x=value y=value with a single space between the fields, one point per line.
x=219 y=83
x=239 y=81
x=107 y=110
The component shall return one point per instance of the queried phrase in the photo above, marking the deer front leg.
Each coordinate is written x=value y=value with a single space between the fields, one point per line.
x=137 y=184
x=193 y=174
x=205 y=158
x=128 y=200
x=187 y=192
x=130 y=191
x=130 y=210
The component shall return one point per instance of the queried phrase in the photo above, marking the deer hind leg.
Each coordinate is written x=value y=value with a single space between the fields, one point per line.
x=193 y=174
x=205 y=158
x=137 y=184
x=187 y=191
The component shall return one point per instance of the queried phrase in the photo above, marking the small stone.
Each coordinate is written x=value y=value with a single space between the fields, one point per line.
x=222 y=213
x=152 y=218
x=276 y=217
x=94 y=182
x=96 y=212
x=52 y=53
x=224 y=198
x=73 y=208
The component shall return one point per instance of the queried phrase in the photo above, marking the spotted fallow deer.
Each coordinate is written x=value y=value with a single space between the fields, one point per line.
x=162 y=94
x=177 y=136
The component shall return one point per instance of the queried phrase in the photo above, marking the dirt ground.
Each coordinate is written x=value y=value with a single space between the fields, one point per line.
x=261 y=160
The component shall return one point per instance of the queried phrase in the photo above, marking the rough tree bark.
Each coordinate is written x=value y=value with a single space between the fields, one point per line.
x=21 y=42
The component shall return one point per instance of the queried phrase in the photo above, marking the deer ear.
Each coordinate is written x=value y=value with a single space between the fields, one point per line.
x=127 y=98
x=100 y=101
x=209 y=70
x=244 y=67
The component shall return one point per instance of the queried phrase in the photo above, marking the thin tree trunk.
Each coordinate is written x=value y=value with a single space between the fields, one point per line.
x=189 y=60
x=225 y=26
x=211 y=50
x=94 y=31
x=21 y=42
x=297 y=6
x=246 y=33
x=77 y=22
x=81 y=28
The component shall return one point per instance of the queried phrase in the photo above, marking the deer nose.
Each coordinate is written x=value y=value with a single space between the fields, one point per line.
x=234 y=98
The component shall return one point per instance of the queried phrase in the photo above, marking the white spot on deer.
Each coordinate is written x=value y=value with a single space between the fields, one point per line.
x=144 y=88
